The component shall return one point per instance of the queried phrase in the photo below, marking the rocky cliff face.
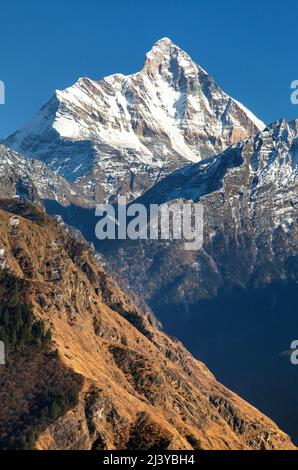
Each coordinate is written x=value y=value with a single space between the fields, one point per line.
x=232 y=302
x=124 y=133
x=32 y=180
x=126 y=385
x=249 y=195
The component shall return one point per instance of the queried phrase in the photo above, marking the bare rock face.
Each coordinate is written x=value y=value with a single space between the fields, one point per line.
x=138 y=388
x=233 y=301
x=249 y=194
x=32 y=180
x=124 y=133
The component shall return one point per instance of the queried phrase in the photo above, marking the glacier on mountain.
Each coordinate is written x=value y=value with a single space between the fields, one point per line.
x=125 y=133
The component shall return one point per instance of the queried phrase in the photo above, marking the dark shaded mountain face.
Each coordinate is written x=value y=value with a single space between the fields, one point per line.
x=233 y=301
x=249 y=194
x=244 y=337
x=125 y=133
x=238 y=283
x=86 y=369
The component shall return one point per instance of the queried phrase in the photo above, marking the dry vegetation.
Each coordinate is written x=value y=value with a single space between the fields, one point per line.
x=106 y=377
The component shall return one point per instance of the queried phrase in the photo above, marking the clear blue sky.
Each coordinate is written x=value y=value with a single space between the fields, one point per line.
x=249 y=47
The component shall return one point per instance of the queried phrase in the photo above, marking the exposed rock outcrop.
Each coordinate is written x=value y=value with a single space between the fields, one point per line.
x=140 y=389
x=123 y=133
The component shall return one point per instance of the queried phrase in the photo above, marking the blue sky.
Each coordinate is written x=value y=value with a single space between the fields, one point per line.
x=249 y=47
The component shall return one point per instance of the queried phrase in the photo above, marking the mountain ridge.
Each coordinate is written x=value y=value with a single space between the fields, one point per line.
x=165 y=133
x=124 y=133
x=138 y=388
x=32 y=180
x=240 y=288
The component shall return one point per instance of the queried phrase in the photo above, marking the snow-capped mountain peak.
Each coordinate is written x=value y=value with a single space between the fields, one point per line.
x=124 y=133
x=165 y=56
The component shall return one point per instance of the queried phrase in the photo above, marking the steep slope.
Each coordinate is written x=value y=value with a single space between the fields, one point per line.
x=249 y=194
x=22 y=177
x=239 y=292
x=128 y=385
x=123 y=133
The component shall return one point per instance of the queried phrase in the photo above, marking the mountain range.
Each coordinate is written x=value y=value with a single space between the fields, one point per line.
x=167 y=133
x=122 y=134
x=86 y=369
x=232 y=302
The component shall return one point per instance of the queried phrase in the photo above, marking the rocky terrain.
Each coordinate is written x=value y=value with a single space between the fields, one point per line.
x=22 y=177
x=103 y=375
x=241 y=287
x=118 y=381
x=122 y=134
x=250 y=199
